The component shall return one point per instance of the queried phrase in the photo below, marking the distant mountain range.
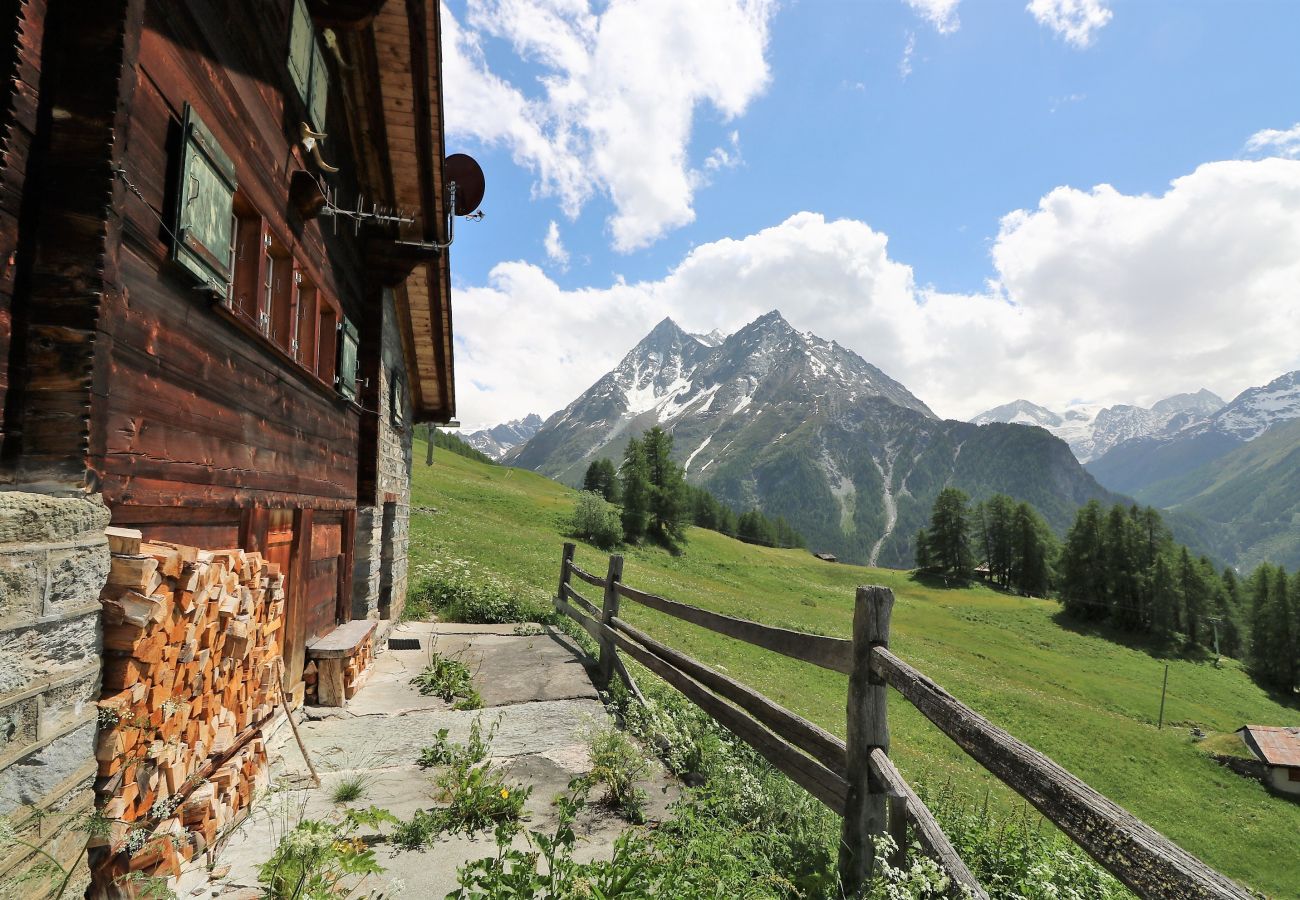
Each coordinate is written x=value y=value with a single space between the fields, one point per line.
x=1228 y=472
x=804 y=428
x=495 y=441
x=1094 y=430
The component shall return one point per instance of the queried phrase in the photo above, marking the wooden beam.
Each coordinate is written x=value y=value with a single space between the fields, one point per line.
x=1146 y=861
x=865 y=813
x=835 y=654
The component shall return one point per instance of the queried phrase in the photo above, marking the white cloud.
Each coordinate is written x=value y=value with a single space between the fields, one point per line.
x=725 y=157
x=555 y=251
x=905 y=64
x=1099 y=294
x=1272 y=142
x=942 y=14
x=613 y=113
x=1074 y=21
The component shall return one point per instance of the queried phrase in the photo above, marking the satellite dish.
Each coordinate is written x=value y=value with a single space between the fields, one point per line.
x=467 y=175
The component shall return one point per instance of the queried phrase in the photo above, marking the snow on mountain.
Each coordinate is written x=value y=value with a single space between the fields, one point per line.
x=798 y=426
x=498 y=439
x=1021 y=412
x=1092 y=430
x=671 y=376
x=1257 y=409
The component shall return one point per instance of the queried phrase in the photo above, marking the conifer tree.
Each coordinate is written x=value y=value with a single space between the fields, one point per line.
x=949 y=533
x=922 y=557
x=667 y=505
x=636 y=492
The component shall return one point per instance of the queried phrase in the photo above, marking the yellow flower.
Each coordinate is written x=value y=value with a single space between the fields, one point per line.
x=505 y=794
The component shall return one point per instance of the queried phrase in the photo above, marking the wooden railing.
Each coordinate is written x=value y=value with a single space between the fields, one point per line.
x=855 y=778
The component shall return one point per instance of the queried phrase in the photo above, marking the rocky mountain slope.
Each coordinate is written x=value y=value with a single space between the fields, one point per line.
x=804 y=428
x=1093 y=430
x=1190 y=441
x=498 y=439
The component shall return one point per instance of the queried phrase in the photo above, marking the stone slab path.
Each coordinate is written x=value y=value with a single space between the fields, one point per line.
x=535 y=691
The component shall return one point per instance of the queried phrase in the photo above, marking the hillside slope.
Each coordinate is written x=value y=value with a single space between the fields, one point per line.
x=1088 y=702
x=1253 y=493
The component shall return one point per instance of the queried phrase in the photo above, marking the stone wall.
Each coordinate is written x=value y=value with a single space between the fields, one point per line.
x=53 y=563
x=380 y=568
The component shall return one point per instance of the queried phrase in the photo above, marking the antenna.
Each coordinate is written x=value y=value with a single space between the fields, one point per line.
x=465 y=185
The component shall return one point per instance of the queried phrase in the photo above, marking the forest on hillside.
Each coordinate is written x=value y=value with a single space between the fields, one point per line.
x=1121 y=566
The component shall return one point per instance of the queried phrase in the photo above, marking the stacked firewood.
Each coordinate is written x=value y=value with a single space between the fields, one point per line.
x=192 y=663
x=357 y=669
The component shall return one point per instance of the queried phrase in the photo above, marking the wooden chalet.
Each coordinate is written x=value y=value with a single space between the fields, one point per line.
x=222 y=306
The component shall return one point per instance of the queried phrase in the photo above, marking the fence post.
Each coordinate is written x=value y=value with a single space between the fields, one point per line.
x=565 y=575
x=868 y=728
x=605 y=672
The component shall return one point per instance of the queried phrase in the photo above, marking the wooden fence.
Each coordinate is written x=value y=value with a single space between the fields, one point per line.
x=855 y=778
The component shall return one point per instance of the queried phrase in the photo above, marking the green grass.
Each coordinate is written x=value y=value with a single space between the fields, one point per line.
x=1086 y=701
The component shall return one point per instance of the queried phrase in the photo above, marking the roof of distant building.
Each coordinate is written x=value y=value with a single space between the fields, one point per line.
x=1276 y=745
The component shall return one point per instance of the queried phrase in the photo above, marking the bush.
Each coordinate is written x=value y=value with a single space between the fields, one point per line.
x=455 y=592
x=596 y=521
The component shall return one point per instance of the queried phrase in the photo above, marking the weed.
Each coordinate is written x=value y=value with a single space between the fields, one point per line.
x=448 y=753
x=351 y=788
x=477 y=794
x=455 y=592
x=317 y=858
x=449 y=679
x=527 y=629
x=618 y=764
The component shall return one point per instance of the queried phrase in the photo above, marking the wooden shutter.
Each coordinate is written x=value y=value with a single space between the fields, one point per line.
x=302 y=44
x=347 y=377
x=204 y=206
x=320 y=88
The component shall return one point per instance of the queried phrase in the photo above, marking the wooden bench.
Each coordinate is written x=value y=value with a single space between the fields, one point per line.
x=342 y=659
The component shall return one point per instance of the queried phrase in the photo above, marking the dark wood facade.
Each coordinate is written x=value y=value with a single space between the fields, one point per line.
x=198 y=421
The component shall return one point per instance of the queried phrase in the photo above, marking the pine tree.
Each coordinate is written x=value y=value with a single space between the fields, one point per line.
x=950 y=533
x=1165 y=599
x=1082 y=589
x=1192 y=583
x=922 y=550
x=667 y=505
x=636 y=492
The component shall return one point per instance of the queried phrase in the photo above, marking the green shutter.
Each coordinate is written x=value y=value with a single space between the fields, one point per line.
x=320 y=88
x=204 y=205
x=347 y=377
x=302 y=43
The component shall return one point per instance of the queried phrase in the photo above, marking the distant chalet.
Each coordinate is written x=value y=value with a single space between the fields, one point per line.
x=1278 y=748
x=827 y=557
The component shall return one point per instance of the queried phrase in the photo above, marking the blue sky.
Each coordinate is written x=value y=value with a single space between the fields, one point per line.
x=917 y=126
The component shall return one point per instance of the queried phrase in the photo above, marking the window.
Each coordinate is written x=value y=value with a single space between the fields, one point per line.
x=307 y=65
x=397 y=398
x=1293 y=773
x=247 y=254
x=327 y=339
x=204 y=220
x=279 y=318
x=308 y=320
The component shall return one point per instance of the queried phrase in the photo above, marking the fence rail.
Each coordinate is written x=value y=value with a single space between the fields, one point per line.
x=855 y=778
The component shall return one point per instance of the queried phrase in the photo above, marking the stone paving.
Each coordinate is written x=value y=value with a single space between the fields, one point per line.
x=534 y=688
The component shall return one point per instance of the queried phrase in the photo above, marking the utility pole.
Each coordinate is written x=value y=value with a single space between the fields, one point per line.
x=1215 y=620
x=1161 y=724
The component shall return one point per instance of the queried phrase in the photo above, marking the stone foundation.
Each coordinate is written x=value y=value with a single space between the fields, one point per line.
x=53 y=562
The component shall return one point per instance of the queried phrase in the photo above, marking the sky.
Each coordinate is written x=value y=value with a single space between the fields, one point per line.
x=1063 y=201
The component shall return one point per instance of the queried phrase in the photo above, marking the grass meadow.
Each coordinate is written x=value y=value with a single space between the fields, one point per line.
x=1089 y=702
